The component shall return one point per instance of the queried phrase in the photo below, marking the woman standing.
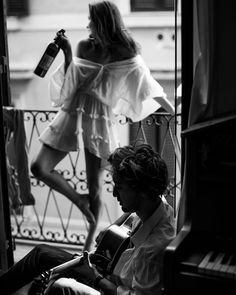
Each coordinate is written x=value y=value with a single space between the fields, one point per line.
x=106 y=77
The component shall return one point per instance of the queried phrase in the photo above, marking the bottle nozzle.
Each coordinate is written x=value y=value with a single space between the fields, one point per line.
x=59 y=34
x=62 y=31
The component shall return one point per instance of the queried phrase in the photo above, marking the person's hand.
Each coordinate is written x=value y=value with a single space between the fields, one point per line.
x=86 y=269
x=63 y=42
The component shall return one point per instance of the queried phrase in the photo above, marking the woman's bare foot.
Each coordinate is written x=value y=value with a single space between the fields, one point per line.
x=84 y=206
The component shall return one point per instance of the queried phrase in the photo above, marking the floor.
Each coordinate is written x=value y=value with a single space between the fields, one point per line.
x=21 y=251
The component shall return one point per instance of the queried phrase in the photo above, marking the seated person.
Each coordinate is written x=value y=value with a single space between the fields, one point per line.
x=140 y=178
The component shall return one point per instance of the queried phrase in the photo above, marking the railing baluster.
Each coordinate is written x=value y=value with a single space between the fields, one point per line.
x=40 y=225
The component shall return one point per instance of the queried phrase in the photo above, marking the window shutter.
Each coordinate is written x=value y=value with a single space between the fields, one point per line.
x=17 y=7
x=152 y=5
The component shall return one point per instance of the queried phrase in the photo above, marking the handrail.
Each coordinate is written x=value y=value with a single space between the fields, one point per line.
x=53 y=218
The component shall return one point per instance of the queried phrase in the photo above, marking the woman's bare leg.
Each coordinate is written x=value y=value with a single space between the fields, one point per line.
x=43 y=169
x=94 y=175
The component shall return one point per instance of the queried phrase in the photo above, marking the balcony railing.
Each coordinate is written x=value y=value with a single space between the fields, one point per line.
x=54 y=218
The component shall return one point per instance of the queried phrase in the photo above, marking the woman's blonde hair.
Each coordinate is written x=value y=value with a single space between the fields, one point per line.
x=109 y=26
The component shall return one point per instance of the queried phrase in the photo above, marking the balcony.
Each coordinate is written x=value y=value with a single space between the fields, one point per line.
x=54 y=219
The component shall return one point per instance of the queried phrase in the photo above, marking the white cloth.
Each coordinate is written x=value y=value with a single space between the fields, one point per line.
x=138 y=270
x=91 y=95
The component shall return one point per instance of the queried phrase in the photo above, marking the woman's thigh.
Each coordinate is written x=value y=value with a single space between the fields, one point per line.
x=47 y=158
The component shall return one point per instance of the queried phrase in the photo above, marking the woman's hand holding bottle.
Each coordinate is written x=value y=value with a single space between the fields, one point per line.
x=65 y=45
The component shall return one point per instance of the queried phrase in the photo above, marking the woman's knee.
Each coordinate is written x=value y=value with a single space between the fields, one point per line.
x=37 y=169
x=45 y=161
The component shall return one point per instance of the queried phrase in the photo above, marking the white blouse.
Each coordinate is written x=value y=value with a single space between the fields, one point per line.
x=91 y=95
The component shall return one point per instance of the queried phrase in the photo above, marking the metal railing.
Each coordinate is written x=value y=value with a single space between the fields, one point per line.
x=54 y=218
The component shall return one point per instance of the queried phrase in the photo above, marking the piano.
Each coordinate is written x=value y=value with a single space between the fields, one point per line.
x=202 y=257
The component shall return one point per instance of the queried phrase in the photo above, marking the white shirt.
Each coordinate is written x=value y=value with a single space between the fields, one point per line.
x=138 y=270
x=91 y=95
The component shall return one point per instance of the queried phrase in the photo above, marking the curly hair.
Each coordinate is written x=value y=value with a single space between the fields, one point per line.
x=141 y=167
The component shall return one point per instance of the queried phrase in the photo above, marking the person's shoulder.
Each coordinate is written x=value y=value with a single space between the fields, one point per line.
x=83 y=47
x=121 y=53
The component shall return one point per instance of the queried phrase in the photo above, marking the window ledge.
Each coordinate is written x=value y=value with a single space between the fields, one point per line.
x=151 y=19
x=21 y=72
x=80 y=21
